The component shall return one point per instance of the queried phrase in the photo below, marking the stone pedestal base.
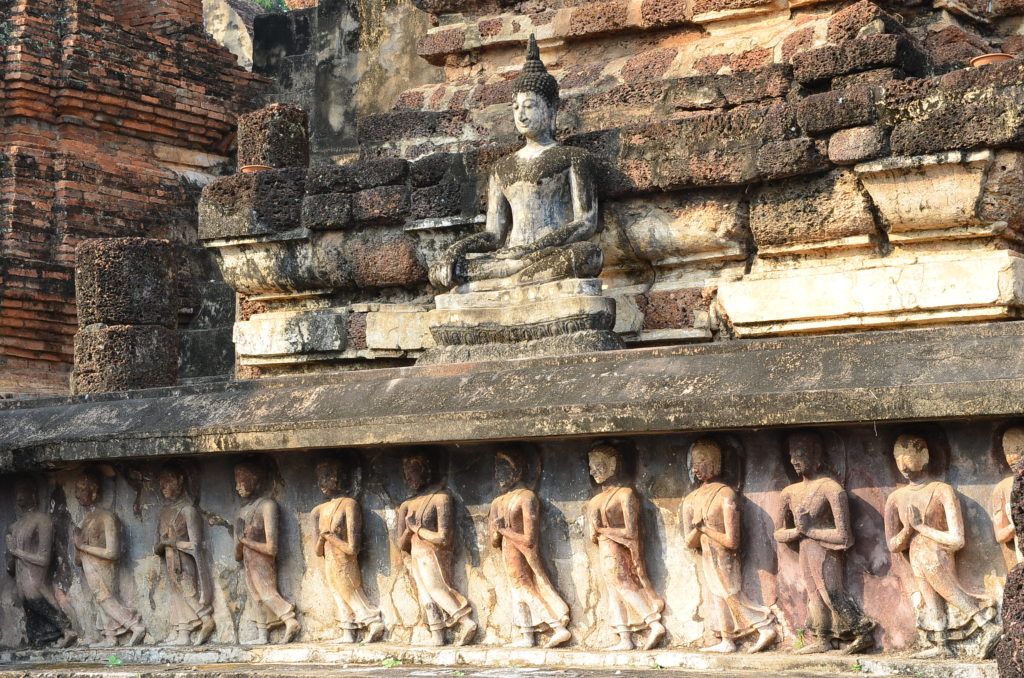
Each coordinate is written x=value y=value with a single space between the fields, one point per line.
x=485 y=321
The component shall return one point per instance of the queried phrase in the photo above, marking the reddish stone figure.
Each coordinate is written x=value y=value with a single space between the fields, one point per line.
x=29 y=557
x=256 y=547
x=924 y=524
x=180 y=544
x=338 y=524
x=426 y=531
x=712 y=526
x=97 y=544
x=814 y=516
x=514 y=527
x=613 y=521
x=1002 y=515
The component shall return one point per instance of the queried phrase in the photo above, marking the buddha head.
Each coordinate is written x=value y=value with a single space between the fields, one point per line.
x=911 y=453
x=1013 y=446
x=88 y=488
x=805 y=452
x=706 y=459
x=172 y=481
x=250 y=478
x=329 y=476
x=535 y=108
x=508 y=469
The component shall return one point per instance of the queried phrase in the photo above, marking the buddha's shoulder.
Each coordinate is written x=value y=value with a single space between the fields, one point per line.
x=552 y=161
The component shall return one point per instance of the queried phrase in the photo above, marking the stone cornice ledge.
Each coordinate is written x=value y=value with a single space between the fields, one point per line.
x=967 y=371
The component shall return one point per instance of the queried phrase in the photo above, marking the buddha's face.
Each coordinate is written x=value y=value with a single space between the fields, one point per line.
x=911 y=455
x=171 y=485
x=804 y=455
x=506 y=473
x=87 y=490
x=534 y=117
x=416 y=472
x=705 y=460
x=25 y=496
x=247 y=482
x=604 y=464
x=1013 y=446
x=328 y=478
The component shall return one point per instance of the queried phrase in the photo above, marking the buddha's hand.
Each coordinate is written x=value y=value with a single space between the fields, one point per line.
x=512 y=252
x=442 y=273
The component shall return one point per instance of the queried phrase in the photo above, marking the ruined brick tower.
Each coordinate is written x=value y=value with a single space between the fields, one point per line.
x=112 y=112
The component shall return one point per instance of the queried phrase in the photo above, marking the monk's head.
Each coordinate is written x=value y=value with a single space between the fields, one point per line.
x=416 y=471
x=605 y=462
x=250 y=478
x=806 y=450
x=911 y=454
x=330 y=476
x=26 y=496
x=706 y=459
x=1013 y=446
x=172 y=481
x=88 y=488
x=509 y=466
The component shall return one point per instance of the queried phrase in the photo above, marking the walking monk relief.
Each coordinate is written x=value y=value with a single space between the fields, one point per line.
x=814 y=516
x=29 y=559
x=256 y=547
x=1002 y=516
x=514 y=527
x=97 y=544
x=613 y=521
x=924 y=524
x=180 y=544
x=712 y=525
x=338 y=524
x=426 y=532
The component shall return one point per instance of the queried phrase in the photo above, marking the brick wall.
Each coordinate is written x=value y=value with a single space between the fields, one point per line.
x=104 y=117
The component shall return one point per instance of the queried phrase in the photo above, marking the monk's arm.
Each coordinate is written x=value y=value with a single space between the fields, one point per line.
x=730 y=538
x=952 y=538
x=593 y=520
x=442 y=536
x=268 y=547
x=193 y=529
x=690 y=533
x=492 y=526
x=628 y=534
x=897 y=534
x=531 y=515
x=44 y=533
x=783 y=517
x=111 y=538
x=445 y=272
x=840 y=535
x=404 y=531
x=354 y=520
x=1002 y=523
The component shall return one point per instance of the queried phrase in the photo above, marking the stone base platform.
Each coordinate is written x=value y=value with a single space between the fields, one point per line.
x=306 y=659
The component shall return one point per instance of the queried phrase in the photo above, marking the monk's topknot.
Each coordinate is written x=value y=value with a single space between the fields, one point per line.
x=535 y=78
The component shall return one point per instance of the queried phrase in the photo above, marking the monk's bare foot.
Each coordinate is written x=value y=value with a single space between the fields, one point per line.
x=525 y=640
x=347 y=636
x=625 y=643
x=467 y=630
x=990 y=635
x=374 y=632
x=436 y=639
x=815 y=648
x=205 y=631
x=765 y=637
x=654 y=636
x=560 y=636
x=291 y=630
x=182 y=637
x=933 y=652
x=68 y=639
x=859 y=644
x=723 y=647
x=138 y=633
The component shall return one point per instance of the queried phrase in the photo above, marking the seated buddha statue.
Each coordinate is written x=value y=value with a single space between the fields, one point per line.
x=541 y=203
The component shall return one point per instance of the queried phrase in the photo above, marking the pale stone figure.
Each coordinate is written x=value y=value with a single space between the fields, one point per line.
x=923 y=523
x=712 y=525
x=338 y=524
x=613 y=522
x=541 y=202
x=256 y=547
x=814 y=516
x=29 y=558
x=514 y=527
x=426 y=531
x=180 y=544
x=1002 y=518
x=97 y=544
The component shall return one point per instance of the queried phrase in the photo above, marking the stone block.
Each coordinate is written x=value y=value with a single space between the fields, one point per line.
x=664 y=12
x=598 y=17
x=857 y=144
x=125 y=281
x=435 y=46
x=252 y=204
x=332 y=179
x=383 y=172
x=124 y=357
x=861 y=18
x=860 y=54
x=306 y=335
x=872 y=78
x=706 y=11
x=327 y=211
x=1010 y=651
x=379 y=258
x=674 y=308
x=827 y=112
x=442 y=200
x=781 y=159
x=274 y=136
x=397 y=328
x=381 y=205
x=431 y=169
x=810 y=210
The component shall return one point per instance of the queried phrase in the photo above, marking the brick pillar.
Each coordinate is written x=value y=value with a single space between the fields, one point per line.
x=159 y=17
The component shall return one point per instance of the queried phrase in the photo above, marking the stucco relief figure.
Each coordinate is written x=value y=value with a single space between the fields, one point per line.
x=613 y=522
x=923 y=523
x=256 y=547
x=426 y=531
x=712 y=525
x=514 y=527
x=814 y=517
x=97 y=543
x=338 y=524
x=1002 y=518
x=180 y=544
x=29 y=558
x=541 y=202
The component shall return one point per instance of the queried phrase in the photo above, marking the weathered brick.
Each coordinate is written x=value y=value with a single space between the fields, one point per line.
x=857 y=144
x=820 y=113
x=381 y=205
x=860 y=54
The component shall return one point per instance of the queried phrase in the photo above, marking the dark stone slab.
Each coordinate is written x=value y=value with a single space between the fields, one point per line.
x=929 y=374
